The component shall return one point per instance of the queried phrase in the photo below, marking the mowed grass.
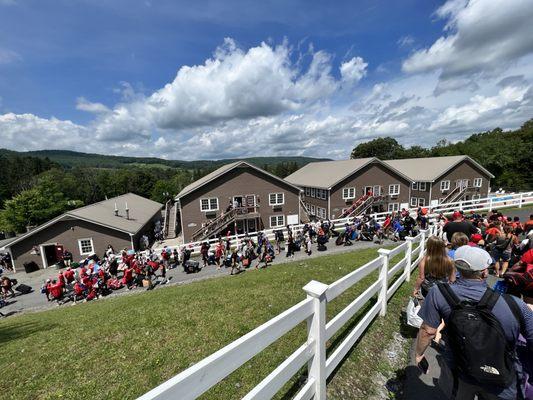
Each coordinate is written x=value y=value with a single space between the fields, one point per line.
x=121 y=347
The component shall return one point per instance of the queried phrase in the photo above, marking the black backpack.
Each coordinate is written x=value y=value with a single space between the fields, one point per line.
x=477 y=339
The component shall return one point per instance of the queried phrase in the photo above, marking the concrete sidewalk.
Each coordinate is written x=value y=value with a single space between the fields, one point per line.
x=36 y=301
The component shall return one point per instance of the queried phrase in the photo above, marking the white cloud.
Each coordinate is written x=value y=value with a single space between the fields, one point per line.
x=354 y=70
x=96 y=108
x=481 y=36
x=8 y=56
x=406 y=41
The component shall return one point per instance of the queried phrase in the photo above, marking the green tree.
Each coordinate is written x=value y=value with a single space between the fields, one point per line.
x=385 y=148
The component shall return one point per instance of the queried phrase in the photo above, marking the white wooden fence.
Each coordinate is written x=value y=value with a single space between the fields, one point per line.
x=488 y=203
x=199 y=378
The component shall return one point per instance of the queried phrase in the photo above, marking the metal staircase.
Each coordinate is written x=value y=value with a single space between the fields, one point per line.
x=217 y=224
x=362 y=204
x=172 y=221
x=455 y=195
x=306 y=215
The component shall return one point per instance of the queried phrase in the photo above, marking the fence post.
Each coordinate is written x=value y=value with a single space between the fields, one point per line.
x=383 y=272
x=520 y=200
x=409 y=255
x=490 y=204
x=316 y=330
x=423 y=241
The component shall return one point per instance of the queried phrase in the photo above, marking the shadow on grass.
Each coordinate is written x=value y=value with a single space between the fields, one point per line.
x=21 y=331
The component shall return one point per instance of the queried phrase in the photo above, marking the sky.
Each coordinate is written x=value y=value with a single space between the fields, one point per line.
x=224 y=79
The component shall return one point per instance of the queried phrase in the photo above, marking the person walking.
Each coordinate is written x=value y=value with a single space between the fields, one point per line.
x=481 y=335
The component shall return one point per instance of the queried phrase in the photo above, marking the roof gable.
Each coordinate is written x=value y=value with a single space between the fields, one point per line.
x=429 y=169
x=223 y=170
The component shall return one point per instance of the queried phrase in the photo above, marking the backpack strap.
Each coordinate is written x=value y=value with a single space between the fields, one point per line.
x=515 y=308
x=449 y=295
x=489 y=299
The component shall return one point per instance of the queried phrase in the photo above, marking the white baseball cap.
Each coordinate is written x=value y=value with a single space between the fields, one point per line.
x=471 y=258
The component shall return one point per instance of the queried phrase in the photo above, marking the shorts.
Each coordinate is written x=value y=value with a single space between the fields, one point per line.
x=501 y=255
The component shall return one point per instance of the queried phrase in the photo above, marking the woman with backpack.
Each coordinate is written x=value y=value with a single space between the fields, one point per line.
x=501 y=250
x=435 y=267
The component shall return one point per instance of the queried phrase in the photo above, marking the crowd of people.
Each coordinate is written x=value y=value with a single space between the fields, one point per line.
x=484 y=333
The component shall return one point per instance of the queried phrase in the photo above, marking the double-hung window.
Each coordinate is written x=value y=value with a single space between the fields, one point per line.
x=393 y=207
x=422 y=186
x=478 y=182
x=86 y=246
x=276 y=199
x=209 y=204
x=308 y=192
x=414 y=201
x=277 y=221
x=313 y=192
x=348 y=193
x=414 y=186
x=394 y=190
x=444 y=185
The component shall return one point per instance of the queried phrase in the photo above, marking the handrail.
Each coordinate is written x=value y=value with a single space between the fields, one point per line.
x=199 y=378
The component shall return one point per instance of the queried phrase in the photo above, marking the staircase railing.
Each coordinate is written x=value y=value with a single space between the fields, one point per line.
x=220 y=222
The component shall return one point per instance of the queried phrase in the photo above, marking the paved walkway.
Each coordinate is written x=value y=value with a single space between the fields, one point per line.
x=36 y=301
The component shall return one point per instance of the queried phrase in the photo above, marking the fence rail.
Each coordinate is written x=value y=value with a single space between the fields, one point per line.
x=489 y=203
x=199 y=378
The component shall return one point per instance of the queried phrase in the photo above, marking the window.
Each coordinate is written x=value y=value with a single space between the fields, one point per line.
x=422 y=186
x=421 y=202
x=308 y=192
x=394 y=207
x=394 y=190
x=444 y=185
x=322 y=194
x=276 y=199
x=209 y=204
x=321 y=212
x=414 y=185
x=414 y=201
x=277 y=220
x=348 y=193
x=312 y=209
x=476 y=197
x=313 y=192
x=478 y=182
x=86 y=246
x=377 y=190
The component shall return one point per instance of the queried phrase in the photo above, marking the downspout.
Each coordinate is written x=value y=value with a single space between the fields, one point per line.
x=131 y=239
x=430 y=198
x=329 y=203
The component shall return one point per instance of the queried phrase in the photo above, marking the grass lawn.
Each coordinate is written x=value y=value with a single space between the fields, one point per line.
x=121 y=347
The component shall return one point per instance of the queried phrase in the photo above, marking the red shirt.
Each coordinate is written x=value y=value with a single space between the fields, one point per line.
x=56 y=290
x=128 y=275
x=69 y=275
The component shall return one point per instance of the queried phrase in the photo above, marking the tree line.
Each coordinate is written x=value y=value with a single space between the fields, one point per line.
x=508 y=155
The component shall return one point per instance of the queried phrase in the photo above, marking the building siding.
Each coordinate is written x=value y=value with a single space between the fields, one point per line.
x=67 y=233
x=371 y=175
x=240 y=181
x=463 y=170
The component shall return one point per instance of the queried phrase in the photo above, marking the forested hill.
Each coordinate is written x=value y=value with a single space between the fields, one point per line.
x=507 y=154
x=72 y=159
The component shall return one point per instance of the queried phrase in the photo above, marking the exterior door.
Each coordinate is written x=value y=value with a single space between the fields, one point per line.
x=376 y=190
x=252 y=225
x=250 y=202
x=59 y=251
x=367 y=189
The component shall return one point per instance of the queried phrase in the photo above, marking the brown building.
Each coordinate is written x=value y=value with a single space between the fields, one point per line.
x=236 y=197
x=438 y=180
x=120 y=222
x=331 y=187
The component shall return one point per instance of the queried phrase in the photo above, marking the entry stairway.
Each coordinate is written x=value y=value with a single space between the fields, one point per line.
x=306 y=215
x=171 y=222
x=456 y=194
x=216 y=225
x=360 y=206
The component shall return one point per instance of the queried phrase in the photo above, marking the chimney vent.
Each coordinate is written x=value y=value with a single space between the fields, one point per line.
x=116 y=209
x=127 y=211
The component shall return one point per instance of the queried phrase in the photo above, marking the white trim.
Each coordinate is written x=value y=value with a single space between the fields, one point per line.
x=276 y=203
x=414 y=185
x=444 y=185
x=92 y=246
x=478 y=182
x=394 y=192
x=395 y=207
x=209 y=209
x=349 y=195
x=422 y=186
x=413 y=202
x=277 y=225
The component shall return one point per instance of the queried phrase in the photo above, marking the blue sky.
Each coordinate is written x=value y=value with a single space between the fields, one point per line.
x=235 y=78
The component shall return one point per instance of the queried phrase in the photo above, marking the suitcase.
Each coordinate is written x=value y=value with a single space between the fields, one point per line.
x=24 y=289
x=191 y=266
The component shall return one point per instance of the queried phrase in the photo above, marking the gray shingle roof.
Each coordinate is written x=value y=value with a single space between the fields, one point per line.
x=326 y=174
x=430 y=168
x=221 y=171
x=103 y=213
